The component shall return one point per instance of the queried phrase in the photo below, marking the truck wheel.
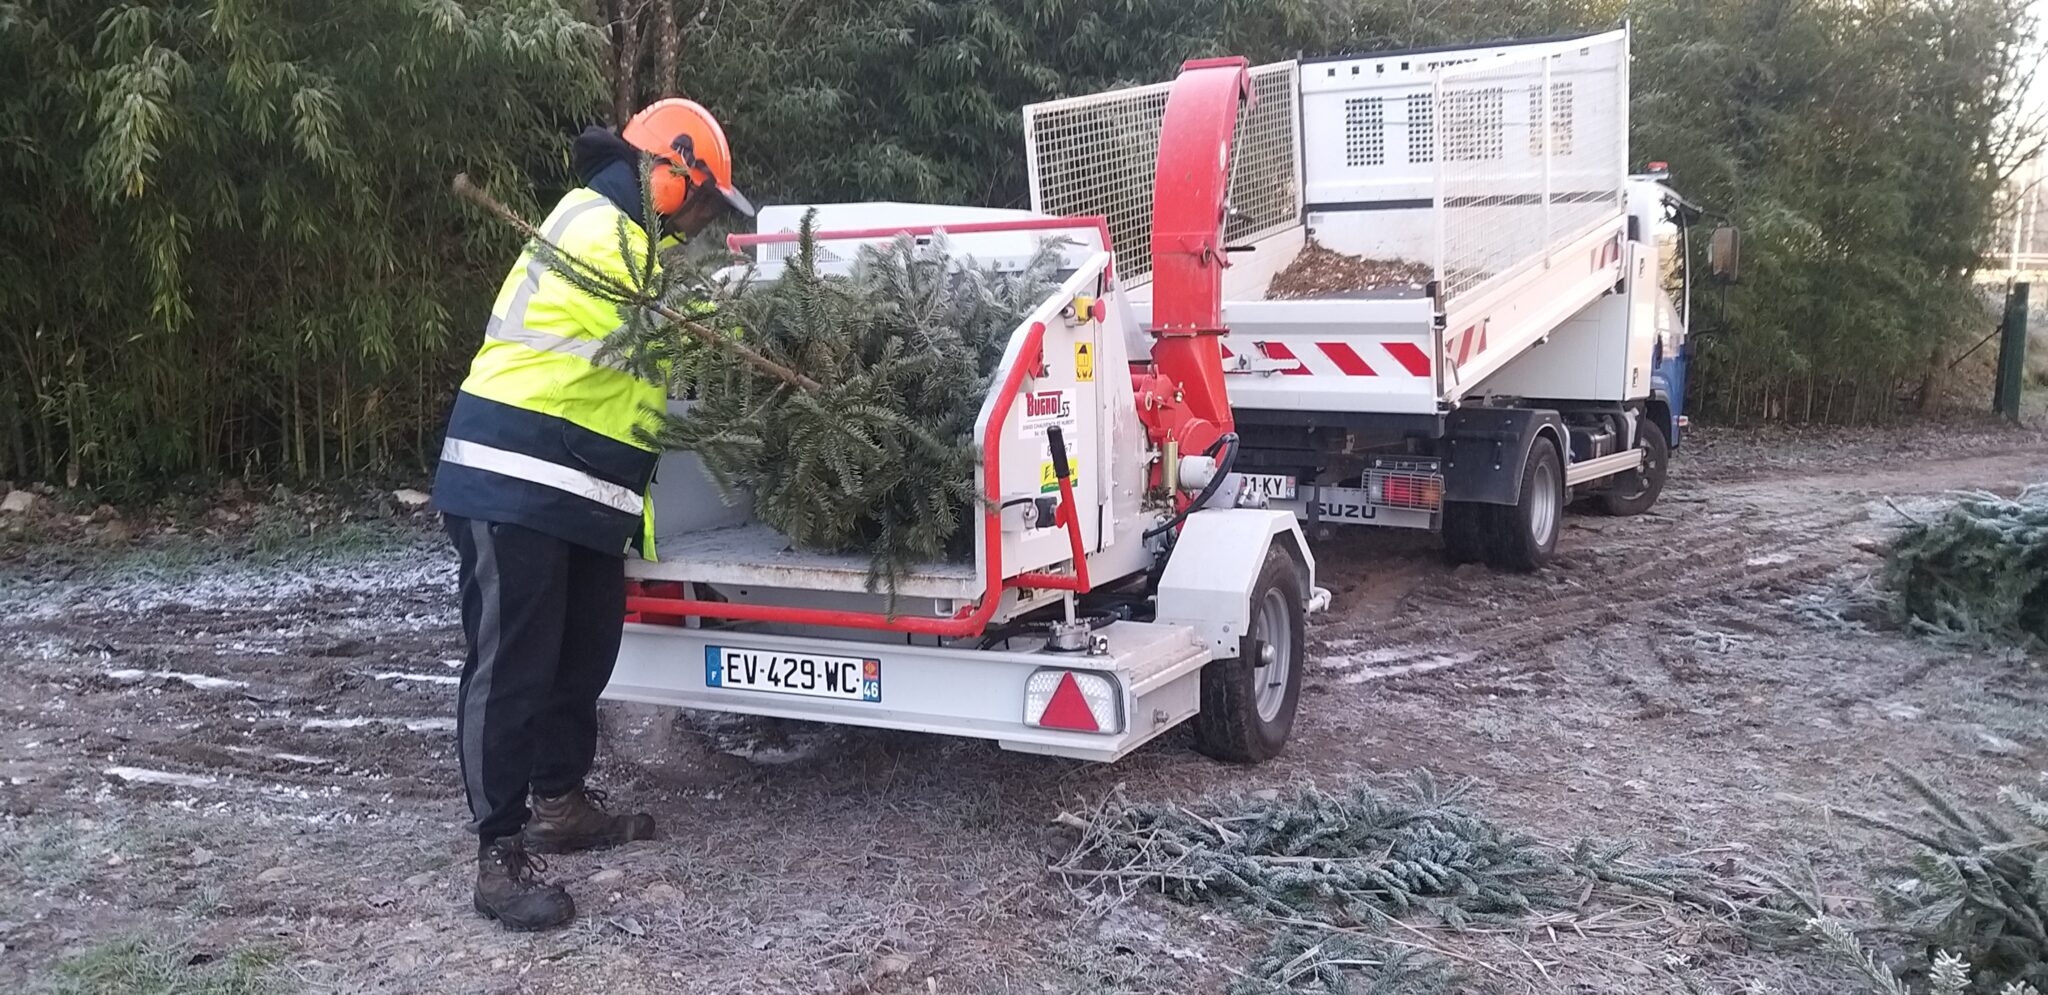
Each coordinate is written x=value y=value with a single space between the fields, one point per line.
x=1248 y=703
x=1464 y=529
x=1525 y=533
x=1634 y=492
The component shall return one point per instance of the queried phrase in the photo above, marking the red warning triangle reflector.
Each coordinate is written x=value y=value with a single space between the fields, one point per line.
x=1068 y=709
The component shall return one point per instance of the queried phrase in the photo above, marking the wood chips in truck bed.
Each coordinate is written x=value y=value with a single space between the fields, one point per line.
x=1320 y=272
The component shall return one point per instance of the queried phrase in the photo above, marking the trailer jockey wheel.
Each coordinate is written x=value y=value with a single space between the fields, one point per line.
x=1635 y=491
x=1525 y=533
x=1248 y=702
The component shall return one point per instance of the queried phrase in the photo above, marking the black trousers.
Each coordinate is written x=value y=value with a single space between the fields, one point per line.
x=543 y=618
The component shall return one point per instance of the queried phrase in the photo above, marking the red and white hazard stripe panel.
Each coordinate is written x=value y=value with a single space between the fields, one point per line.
x=1607 y=253
x=1470 y=341
x=1346 y=359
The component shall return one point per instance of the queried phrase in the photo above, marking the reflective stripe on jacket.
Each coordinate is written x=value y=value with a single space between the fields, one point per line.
x=542 y=434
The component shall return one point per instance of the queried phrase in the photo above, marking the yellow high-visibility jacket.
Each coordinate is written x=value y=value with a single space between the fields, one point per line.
x=542 y=433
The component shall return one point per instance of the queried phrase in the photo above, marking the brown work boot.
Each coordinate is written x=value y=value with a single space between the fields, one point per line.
x=509 y=890
x=577 y=820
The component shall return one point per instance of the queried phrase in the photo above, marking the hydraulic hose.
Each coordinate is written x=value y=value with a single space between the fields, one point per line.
x=1228 y=443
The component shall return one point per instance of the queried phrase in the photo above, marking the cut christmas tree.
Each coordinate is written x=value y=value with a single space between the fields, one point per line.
x=878 y=458
x=1978 y=571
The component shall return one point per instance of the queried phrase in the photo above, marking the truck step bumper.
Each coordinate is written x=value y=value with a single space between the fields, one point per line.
x=954 y=691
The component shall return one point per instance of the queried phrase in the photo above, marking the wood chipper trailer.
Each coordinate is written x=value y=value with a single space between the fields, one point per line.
x=1111 y=597
x=1542 y=360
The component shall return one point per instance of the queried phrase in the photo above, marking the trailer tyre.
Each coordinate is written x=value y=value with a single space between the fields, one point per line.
x=1634 y=492
x=1525 y=533
x=1248 y=703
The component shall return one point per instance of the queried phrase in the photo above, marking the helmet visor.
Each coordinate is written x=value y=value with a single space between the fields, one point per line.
x=735 y=199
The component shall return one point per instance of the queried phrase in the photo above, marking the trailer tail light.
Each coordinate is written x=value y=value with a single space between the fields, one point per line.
x=1080 y=700
x=1416 y=491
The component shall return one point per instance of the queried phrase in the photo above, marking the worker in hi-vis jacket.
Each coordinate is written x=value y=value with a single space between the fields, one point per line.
x=543 y=487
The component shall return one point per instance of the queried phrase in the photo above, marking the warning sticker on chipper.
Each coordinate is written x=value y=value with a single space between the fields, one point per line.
x=1048 y=483
x=1045 y=408
x=1084 y=362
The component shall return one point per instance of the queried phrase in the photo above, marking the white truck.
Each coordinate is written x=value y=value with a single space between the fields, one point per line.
x=1542 y=358
x=1158 y=430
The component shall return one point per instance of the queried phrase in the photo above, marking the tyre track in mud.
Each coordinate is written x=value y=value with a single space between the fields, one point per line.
x=1660 y=574
x=271 y=701
x=1781 y=535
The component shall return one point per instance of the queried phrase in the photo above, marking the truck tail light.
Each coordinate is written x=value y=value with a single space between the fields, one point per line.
x=1423 y=492
x=1080 y=700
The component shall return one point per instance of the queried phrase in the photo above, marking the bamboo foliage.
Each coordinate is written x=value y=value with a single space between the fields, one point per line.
x=1860 y=147
x=226 y=243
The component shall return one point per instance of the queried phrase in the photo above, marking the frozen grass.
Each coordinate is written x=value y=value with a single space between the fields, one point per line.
x=150 y=966
x=61 y=855
x=378 y=570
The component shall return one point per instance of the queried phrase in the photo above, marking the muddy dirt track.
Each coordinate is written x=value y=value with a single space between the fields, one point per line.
x=240 y=754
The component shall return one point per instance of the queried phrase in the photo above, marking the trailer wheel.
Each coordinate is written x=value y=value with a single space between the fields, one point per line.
x=1464 y=530
x=1248 y=703
x=1634 y=492
x=1525 y=533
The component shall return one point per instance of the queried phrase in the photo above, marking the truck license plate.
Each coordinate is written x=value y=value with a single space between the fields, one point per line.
x=846 y=678
x=1274 y=486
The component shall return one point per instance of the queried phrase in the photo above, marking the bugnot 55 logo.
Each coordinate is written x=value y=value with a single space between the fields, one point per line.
x=1044 y=409
x=1047 y=404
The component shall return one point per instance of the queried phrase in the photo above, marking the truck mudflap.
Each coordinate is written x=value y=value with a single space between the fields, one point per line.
x=1485 y=449
x=1134 y=681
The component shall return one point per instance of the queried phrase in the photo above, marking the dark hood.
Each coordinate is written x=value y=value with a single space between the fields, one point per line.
x=607 y=164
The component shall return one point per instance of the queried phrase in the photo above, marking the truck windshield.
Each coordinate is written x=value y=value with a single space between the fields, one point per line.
x=1671 y=257
x=1674 y=265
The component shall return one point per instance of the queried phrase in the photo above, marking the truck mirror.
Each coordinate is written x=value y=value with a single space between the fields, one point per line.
x=1724 y=254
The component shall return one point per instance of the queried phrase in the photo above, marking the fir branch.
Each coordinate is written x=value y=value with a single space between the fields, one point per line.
x=476 y=195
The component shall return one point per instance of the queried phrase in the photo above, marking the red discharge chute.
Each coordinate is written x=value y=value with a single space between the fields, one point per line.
x=1190 y=193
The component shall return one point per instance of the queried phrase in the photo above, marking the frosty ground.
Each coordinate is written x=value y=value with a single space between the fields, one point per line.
x=217 y=756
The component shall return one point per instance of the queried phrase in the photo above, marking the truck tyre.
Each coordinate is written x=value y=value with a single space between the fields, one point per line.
x=1464 y=529
x=1248 y=702
x=1525 y=533
x=1634 y=492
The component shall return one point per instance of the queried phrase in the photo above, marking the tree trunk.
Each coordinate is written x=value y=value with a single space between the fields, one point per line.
x=1925 y=402
x=666 y=48
x=624 y=16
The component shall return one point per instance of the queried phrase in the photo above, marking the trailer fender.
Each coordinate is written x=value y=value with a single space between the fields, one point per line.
x=1215 y=562
x=1485 y=450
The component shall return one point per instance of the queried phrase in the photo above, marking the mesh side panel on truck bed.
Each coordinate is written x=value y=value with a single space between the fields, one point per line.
x=1097 y=154
x=1523 y=166
x=1473 y=161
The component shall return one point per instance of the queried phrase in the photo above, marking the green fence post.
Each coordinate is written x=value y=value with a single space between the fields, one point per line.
x=2012 y=353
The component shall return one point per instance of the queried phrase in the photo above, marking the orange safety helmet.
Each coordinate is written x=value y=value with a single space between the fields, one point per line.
x=684 y=136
